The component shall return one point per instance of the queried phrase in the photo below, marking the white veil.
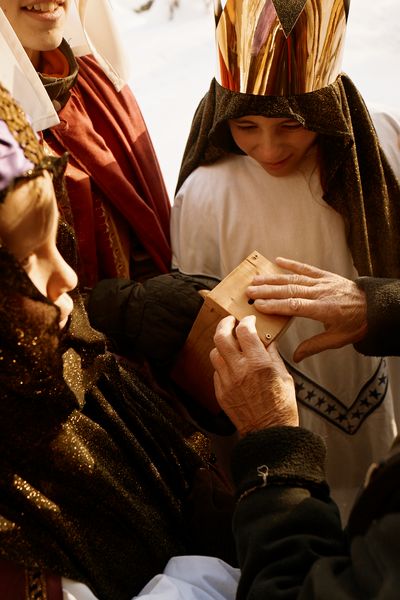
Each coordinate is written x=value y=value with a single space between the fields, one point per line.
x=89 y=29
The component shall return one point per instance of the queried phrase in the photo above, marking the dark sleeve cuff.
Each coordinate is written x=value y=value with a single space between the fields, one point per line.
x=383 y=317
x=294 y=457
x=150 y=319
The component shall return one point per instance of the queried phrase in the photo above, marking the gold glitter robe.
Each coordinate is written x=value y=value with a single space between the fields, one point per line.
x=93 y=484
x=96 y=470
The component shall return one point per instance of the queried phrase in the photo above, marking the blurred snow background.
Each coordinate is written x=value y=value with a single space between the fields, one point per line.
x=170 y=47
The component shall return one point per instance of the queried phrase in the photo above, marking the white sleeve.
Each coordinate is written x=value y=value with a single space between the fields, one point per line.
x=72 y=590
x=184 y=578
x=193 y=578
x=195 y=227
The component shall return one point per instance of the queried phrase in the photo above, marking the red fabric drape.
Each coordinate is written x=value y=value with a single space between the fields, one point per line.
x=117 y=193
x=17 y=583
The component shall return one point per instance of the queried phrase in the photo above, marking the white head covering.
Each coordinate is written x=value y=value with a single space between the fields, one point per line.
x=89 y=29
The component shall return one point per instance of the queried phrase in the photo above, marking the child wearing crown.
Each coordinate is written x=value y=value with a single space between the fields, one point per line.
x=284 y=156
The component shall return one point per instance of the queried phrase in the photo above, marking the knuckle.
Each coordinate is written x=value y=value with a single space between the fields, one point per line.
x=294 y=304
x=237 y=379
x=219 y=337
x=214 y=355
x=297 y=279
x=292 y=289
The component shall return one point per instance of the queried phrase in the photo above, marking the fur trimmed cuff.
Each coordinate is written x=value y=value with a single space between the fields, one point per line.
x=292 y=455
x=383 y=316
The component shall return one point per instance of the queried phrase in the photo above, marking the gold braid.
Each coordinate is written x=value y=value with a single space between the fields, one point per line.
x=16 y=121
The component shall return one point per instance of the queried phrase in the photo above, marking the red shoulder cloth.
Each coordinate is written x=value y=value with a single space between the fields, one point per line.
x=114 y=181
x=18 y=583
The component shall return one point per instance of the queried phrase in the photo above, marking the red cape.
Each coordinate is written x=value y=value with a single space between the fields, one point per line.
x=118 y=198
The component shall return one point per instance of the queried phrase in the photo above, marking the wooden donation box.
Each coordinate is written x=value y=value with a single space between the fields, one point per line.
x=193 y=371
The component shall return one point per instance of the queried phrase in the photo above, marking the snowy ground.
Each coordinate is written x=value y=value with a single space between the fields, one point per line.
x=172 y=63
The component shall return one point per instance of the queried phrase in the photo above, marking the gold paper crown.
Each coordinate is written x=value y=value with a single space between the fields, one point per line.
x=279 y=47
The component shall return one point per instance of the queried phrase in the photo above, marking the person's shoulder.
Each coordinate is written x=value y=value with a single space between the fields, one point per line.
x=386 y=121
x=208 y=177
x=380 y=108
x=225 y=164
x=90 y=69
x=215 y=175
x=380 y=497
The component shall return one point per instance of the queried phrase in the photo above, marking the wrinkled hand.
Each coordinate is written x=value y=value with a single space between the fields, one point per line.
x=310 y=292
x=251 y=382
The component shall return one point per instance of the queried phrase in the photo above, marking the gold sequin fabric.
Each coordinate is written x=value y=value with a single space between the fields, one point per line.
x=15 y=119
x=95 y=468
x=357 y=179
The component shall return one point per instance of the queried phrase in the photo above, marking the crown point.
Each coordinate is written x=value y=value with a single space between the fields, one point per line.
x=288 y=13
x=279 y=47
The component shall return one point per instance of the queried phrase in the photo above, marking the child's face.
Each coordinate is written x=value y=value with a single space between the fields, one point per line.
x=278 y=145
x=28 y=229
x=38 y=25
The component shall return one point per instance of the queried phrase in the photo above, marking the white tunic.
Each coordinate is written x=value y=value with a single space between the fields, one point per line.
x=184 y=578
x=225 y=211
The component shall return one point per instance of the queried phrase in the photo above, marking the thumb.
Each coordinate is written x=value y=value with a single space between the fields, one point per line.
x=314 y=345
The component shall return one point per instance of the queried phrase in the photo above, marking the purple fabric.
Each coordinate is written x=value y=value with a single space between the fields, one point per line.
x=13 y=162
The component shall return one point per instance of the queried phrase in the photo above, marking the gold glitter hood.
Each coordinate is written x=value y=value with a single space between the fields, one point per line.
x=279 y=47
x=21 y=154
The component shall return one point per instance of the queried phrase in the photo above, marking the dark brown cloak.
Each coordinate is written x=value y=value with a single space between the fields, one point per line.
x=357 y=179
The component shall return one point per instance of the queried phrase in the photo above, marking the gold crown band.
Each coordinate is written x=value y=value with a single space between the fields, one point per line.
x=279 y=47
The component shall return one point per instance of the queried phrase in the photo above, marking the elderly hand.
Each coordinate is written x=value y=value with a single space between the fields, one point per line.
x=310 y=292
x=251 y=382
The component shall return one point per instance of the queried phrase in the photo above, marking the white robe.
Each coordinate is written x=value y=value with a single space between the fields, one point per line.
x=184 y=578
x=225 y=211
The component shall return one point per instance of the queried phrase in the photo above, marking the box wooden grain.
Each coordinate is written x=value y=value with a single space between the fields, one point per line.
x=193 y=371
